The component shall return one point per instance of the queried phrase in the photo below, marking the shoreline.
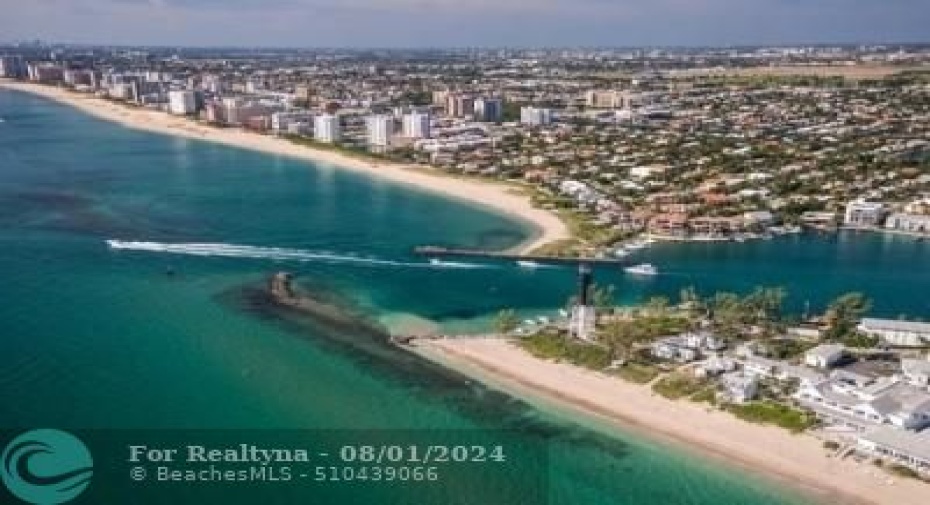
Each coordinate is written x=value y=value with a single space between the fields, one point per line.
x=796 y=460
x=545 y=227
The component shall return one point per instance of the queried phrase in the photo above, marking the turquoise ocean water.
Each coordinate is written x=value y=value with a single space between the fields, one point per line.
x=93 y=337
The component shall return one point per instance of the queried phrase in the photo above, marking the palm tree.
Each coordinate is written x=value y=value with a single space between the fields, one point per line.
x=843 y=313
x=603 y=297
x=727 y=313
x=690 y=300
x=764 y=305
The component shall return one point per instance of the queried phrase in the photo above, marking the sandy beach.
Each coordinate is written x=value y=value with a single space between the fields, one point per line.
x=798 y=460
x=498 y=197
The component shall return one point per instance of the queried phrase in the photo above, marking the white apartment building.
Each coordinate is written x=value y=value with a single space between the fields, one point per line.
x=239 y=111
x=885 y=401
x=293 y=121
x=182 y=102
x=902 y=447
x=603 y=99
x=535 y=116
x=909 y=223
x=862 y=213
x=380 y=130
x=327 y=128
x=417 y=125
x=897 y=333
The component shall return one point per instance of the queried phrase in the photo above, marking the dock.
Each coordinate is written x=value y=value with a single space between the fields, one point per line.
x=447 y=252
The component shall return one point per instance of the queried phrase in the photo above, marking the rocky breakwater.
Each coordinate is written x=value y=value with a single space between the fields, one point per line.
x=286 y=294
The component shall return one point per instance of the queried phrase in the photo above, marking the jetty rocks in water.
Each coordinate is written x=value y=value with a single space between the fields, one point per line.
x=281 y=289
x=283 y=293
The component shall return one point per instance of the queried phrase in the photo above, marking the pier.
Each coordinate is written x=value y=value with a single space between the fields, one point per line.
x=446 y=252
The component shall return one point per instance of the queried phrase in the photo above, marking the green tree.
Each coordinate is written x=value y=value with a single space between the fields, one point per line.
x=690 y=299
x=657 y=306
x=727 y=313
x=843 y=313
x=603 y=297
x=621 y=338
x=764 y=306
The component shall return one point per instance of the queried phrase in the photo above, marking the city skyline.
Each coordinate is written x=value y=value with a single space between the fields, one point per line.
x=444 y=23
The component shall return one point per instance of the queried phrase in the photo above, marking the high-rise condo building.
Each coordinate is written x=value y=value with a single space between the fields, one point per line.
x=326 y=128
x=459 y=105
x=380 y=129
x=182 y=102
x=490 y=110
x=12 y=66
x=417 y=125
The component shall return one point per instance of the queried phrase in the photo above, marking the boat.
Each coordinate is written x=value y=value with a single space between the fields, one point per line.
x=642 y=269
x=527 y=264
x=635 y=246
x=621 y=252
x=435 y=261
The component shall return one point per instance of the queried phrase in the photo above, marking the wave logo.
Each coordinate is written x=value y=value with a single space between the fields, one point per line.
x=46 y=467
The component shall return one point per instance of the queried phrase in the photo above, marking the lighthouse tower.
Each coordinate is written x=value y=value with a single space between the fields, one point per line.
x=583 y=317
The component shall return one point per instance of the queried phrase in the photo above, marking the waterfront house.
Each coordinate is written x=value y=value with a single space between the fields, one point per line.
x=669 y=224
x=883 y=402
x=702 y=340
x=909 y=223
x=713 y=366
x=897 y=333
x=864 y=214
x=824 y=356
x=674 y=349
x=739 y=387
x=902 y=447
x=818 y=219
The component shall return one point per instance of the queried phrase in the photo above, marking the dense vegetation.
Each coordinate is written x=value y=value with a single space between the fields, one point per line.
x=556 y=347
x=767 y=412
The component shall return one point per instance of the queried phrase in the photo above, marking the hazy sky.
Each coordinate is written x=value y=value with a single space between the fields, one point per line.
x=441 y=23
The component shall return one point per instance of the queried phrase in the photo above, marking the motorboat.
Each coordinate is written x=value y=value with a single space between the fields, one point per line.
x=527 y=264
x=642 y=269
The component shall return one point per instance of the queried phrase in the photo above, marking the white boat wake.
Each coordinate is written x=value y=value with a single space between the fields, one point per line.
x=274 y=253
